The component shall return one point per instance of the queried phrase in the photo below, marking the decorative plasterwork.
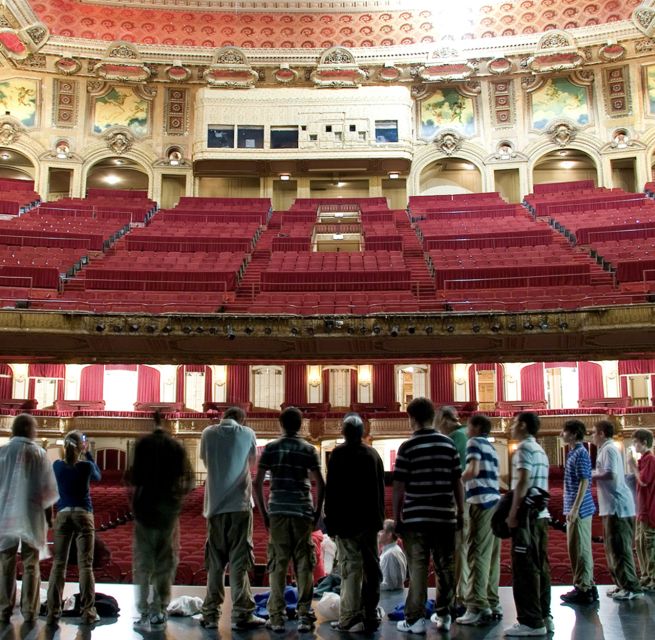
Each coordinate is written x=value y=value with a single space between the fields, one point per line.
x=556 y=52
x=447 y=71
x=503 y=107
x=562 y=132
x=612 y=52
x=176 y=110
x=177 y=72
x=10 y=130
x=122 y=62
x=18 y=44
x=499 y=66
x=389 y=73
x=285 y=74
x=119 y=139
x=621 y=139
x=65 y=103
x=617 y=91
x=337 y=69
x=230 y=70
x=449 y=141
x=68 y=65
x=644 y=19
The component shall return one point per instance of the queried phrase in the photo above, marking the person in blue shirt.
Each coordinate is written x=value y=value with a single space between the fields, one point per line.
x=74 y=522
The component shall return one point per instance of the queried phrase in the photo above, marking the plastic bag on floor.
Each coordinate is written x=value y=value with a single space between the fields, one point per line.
x=185 y=606
x=328 y=606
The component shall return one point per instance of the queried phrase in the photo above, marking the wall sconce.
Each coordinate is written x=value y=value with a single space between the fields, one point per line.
x=285 y=177
x=365 y=375
x=314 y=376
x=393 y=175
x=174 y=156
x=62 y=150
x=220 y=375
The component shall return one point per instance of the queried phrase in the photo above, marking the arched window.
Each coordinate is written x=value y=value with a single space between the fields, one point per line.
x=412 y=381
x=267 y=387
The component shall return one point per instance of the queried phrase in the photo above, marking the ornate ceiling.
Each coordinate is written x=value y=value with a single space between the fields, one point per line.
x=311 y=25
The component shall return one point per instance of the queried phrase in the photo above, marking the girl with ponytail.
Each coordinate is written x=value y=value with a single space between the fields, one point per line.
x=74 y=522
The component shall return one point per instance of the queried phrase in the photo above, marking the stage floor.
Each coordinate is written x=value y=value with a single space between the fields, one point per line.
x=609 y=620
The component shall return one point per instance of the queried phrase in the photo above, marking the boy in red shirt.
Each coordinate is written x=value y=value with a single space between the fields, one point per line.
x=642 y=440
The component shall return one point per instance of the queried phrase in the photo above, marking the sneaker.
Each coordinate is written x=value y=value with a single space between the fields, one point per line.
x=519 y=630
x=158 y=619
x=305 y=625
x=550 y=624
x=497 y=612
x=250 y=622
x=594 y=593
x=577 y=596
x=277 y=626
x=142 y=623
x=418 y=627
x=353 y=627
x=624 y=594
x=209 y=623
x=475 y=617
x=611 y=591
x=443 y=622
x=372 y=621
x=90 y=619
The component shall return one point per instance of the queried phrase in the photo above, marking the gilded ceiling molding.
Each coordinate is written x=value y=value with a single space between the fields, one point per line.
x=450 y=71
x=556 y=51
x=612 y=52
x=122 y=62
x=68 y=65
x=285 y=74
x=644 y=19
x=119 y=139
x=10 y=130
x=19 y=44
x=337 y=69
x=230 y=70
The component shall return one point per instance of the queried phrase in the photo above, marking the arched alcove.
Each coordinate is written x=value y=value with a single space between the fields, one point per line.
x=117 y=173
x=13 y=164
x=564 y=165
x=450 y=175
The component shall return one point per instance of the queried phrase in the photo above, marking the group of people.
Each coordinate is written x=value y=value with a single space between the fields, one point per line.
x=447 y=508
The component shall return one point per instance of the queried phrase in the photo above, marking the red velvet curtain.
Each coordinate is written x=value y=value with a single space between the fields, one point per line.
x=295 y=383
x=384 y=385
x=590 y=381
x=57 y=371
x=92 y=382
x=532 y=382
x=238 y=383
x=500 y=382
x=325 y=383
x=120 y=367
x=353 y=387
x=441 y=383
x=6 y=381
x=632 y=367
x=473 y=387
x=147 y=389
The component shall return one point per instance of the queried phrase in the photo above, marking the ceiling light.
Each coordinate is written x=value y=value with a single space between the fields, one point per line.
x=4 y=156
x=563 y=152
x=567 y=164
x=112 y=179
x=119 y=161
x=285 y=177
x=394 y=175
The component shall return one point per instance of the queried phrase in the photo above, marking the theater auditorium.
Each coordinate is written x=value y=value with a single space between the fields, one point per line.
x=338 y=206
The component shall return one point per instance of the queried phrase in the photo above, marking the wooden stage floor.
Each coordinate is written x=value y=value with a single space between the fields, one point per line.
x=607 y=620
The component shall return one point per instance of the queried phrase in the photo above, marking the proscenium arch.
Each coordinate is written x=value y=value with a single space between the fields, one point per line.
x=28 y=164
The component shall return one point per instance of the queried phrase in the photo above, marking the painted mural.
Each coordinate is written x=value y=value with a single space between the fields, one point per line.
x=559 y=98
x=121 y=107
x=650 y=87
x=18 y=97
x=447 y=109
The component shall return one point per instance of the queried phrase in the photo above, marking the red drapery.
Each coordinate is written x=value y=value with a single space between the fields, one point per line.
x=325 y=380
x=147 y=389
x=57 y=371
x=441 y=383
x=295 y=383
x=180 y=381
x=120 y=367
x=636 y=367
x=532 y=382
x=238 y=383
x=6 y=381
x=383 y=385
x=473 y=384
x=473 y=381
x=92 y=382
x=590 y=381
x=500 y=382
x=353 y=386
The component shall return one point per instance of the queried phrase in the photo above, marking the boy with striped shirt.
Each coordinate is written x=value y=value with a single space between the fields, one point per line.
x=481 y=484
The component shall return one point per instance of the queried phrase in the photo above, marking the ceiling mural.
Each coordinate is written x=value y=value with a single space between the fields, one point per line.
x=275 y=28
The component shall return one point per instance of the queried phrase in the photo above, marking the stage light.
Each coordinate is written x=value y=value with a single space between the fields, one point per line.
x=350 y=329
x=543 y=325
x=134 y=328
x=563 y=325
x=329 y=325
x=100 y=327
x=310 y=331
x=512 y=326
x=429 y=329
x=528 y=325
x=117 y=328
x=376 y=329
x=495 y=327
x=268 y=331
x=167 y=329
x=450 y=328
x=230 y=333
x=212 y=331
x=200 y=329
x=151 y=328
x=411 y=329
x=187 y=329
x=363 y=330
x=249 y=331
x=294 y=331
x=394 y=331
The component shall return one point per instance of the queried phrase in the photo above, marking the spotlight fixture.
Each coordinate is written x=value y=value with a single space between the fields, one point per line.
x=294 y=331
x=117 y=328
x=495 y=327
x=134 y=328
x=394 y=331
x=363 y=330
x=376 y=329
x=100 y=327
x=350 y=329
x=476 y=328
x=213 y=331
x=429 y=329
x=167 y=329
x=563 y=325
x=230 y=333
x=329 y=325
x=450 y=328
x=543 y=325
x=528 y=325
x=310 y=331
x=151 y=328
x=200 y=329
x=249 y=331
x=411 y=329
x=268 y=331
x=512 y=325
x=187 y=329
